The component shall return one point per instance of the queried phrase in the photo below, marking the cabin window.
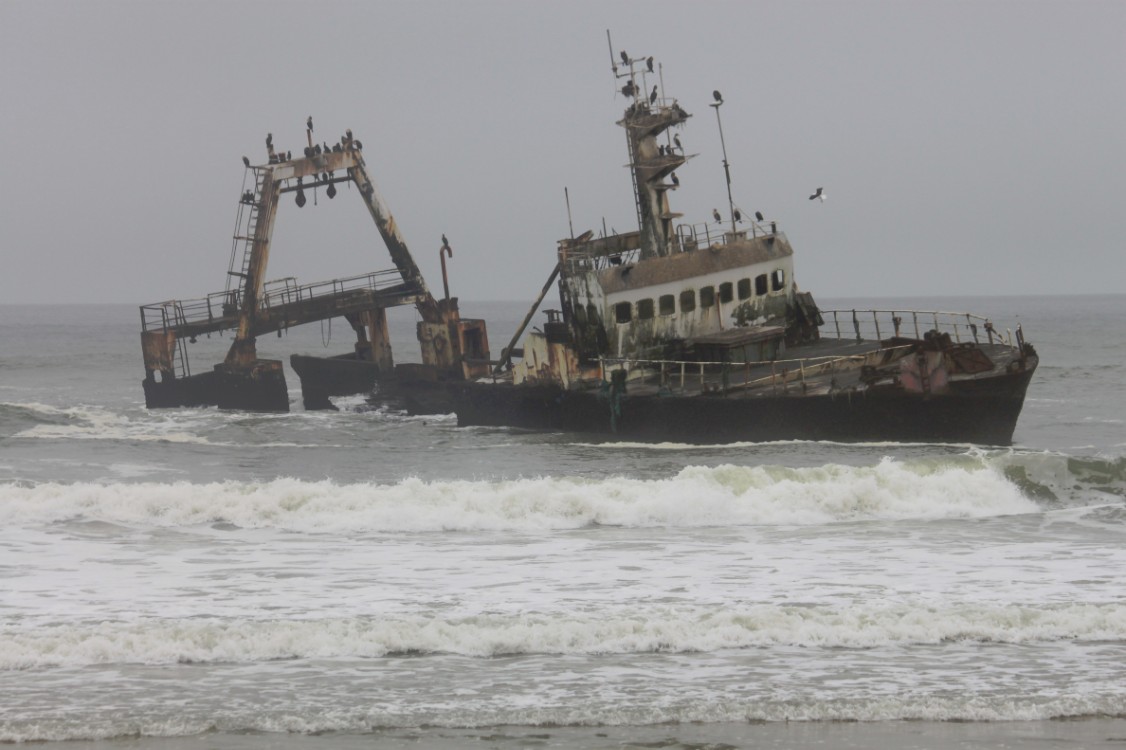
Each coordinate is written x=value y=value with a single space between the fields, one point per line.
x=667 y=304
x=623 y=312
x=688 y=300
x=779 y=279
x=645 y=309
x=760 y=284
x=726 y=292
x=745 y=288
x=580 y=315
x=707 y=296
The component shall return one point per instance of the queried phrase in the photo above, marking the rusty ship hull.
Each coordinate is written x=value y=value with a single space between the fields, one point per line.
x=982 y=411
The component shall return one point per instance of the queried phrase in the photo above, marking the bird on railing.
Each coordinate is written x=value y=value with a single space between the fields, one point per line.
x=717 y=217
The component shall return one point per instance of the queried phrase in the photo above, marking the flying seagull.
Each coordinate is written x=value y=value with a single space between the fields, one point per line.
x=820 y=194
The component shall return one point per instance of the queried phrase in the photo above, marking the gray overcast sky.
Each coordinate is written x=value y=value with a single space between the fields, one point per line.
x=966 y=147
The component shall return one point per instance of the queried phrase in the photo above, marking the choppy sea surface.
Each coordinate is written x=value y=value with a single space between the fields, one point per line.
x=177 y=576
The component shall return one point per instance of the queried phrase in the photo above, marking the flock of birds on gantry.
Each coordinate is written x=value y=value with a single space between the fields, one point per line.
x=346 y=143
x=631 y=90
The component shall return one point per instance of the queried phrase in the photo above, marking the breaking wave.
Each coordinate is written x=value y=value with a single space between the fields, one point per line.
x=629 y=631
x=973 y=485
x=696 y=496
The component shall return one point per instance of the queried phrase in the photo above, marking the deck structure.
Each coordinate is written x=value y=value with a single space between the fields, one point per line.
x=250 y=306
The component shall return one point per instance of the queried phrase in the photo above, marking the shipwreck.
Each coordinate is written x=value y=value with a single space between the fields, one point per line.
x=452 y=348
x=675 y=331
x=683 y=331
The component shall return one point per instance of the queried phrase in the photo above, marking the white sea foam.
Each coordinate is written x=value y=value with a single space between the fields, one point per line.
x=697 y=496
x=628 y=631
x=561 y=725
x=174 y=426
x=98 y=423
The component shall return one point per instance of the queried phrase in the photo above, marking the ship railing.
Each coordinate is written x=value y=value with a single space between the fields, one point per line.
x=219 y=305
x=869 y=325
x=706 y=234
x=175 y=313
x=285 y=291
x=736 y=375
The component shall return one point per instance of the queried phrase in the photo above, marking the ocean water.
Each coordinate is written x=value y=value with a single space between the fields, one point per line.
x=197 y=578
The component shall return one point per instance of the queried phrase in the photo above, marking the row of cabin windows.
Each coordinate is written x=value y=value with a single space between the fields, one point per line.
x=666 y=303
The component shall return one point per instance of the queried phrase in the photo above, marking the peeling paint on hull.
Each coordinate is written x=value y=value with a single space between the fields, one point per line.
x=981 y=411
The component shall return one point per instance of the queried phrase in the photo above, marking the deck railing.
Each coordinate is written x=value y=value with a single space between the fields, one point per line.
x=875 y=325
x=727 y=376
x=276 y=293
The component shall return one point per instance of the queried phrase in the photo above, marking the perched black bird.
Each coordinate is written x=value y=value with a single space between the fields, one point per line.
x=738 y=216
x=317 y=149
x=820 y=194
x=336 y=149
x=289 y=156
x=359 y=146
x=653 y=95
x=269 y=139
x=327 y=149
x=309 y=123
x=445 y=242
x=661 y=150
x=676 y=140
x=629 y=89
x=625 y=57
x=717 y=217
x=246 y=161
x=649 y=64
x=348 y=133
x=675 y=179
x=717 y=96
x=758 y=215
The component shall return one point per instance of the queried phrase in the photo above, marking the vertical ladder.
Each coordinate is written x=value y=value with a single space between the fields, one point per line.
x=246 y=225
x=633 y=177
